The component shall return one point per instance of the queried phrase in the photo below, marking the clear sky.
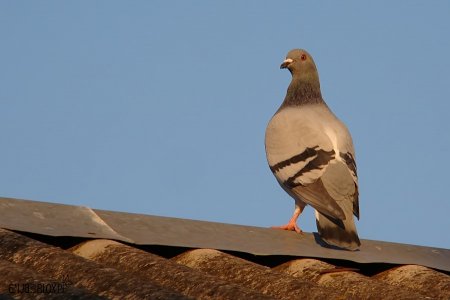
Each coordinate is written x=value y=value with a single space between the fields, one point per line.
x=160 y=107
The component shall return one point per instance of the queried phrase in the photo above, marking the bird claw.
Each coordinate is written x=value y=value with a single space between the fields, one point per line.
x=290 y=227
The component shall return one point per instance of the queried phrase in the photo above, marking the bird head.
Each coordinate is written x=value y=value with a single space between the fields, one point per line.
x=301 y=65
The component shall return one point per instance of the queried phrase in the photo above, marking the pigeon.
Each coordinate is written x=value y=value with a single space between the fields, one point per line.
x=310 y=152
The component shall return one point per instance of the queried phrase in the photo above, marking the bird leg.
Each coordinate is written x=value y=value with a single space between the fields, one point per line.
x=292 y=224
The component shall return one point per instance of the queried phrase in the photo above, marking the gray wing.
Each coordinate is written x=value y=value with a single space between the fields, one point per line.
x=338 y=183
x=329 y=193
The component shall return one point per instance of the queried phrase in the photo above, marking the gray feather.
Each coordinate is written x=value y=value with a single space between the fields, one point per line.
x=339 y=185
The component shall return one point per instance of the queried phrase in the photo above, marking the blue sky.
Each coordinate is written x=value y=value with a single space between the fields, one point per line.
x=160 y=107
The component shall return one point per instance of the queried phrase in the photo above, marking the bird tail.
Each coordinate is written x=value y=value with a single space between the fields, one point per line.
x=339 y=233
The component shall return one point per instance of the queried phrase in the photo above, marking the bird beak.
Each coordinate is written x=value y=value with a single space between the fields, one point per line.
x=286 y=63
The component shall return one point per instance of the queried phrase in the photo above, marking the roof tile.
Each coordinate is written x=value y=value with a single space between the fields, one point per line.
x=114 y=255
x=350 y=283
x=254 y=276
x=166 y=273
x=424 y=280
x=59 y=264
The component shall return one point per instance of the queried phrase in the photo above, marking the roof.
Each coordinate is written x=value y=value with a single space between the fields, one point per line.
x=61 y=251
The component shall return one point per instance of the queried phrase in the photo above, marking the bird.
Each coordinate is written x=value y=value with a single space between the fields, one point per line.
x=311 y=153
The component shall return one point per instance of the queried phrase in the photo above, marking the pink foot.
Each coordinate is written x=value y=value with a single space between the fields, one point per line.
x=291 y=226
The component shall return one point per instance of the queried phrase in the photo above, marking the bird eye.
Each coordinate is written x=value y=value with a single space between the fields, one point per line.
x=303 y=57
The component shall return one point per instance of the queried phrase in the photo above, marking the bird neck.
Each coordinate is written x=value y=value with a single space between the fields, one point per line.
x=302 y=91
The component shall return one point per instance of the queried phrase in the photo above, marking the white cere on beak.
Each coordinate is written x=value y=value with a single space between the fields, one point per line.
x=288 y=60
